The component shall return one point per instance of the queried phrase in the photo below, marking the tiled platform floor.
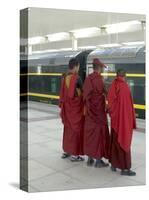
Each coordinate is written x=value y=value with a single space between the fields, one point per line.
x=47 y=171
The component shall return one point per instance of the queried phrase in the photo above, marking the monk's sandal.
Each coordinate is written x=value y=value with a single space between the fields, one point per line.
x=100 y=164
x=113 y=169
x=76 y=158
x=90 y=161
x=65 y=155
x=128 y=173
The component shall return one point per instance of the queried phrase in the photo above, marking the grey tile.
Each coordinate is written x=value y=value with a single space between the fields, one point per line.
x=52 y=145
x=37 y=170
x=140 y=174
x=91 y=175
x=138 y=138
x=35 y=150
x=45 y=148
x=122 y=182
x=32 y=189
x=36 y=138
x=57 y=181
x=56 y=135
x=56 y=162
x=137 y=160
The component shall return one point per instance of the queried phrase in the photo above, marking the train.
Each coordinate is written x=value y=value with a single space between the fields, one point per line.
x=40 y=74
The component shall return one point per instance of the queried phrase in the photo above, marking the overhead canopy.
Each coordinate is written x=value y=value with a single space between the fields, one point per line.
x=119 y=54
x=56 y=58
x=45 y=21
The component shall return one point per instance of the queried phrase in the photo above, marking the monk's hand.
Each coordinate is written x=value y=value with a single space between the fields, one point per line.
x=84 y=110
x=106 y=110
x=60 y=104
x=106 y=107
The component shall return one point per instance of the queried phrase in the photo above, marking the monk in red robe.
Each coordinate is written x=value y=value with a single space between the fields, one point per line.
x=96 y=132
x=123 y=122
x=71 y=104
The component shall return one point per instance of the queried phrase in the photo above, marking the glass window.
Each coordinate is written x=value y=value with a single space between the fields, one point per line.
x=53 y=85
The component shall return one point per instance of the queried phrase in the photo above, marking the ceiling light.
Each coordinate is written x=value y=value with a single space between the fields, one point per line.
x=109 y=45
x=45 y=51
x=134 y=43
x=85 y=32
x=65 y=49
x=87 y=47
x=58 y=36
x=122 y=26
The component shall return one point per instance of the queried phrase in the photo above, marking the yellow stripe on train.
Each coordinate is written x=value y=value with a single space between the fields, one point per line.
x=136 y=106
x=128 y=75
x=43 y=95
x=60 y=74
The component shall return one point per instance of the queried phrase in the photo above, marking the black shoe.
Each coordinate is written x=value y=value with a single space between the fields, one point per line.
x=100 y=163
x=128 y=173
x=76 y=158
x=65 y=155
x=113 y=169
x=90 y=161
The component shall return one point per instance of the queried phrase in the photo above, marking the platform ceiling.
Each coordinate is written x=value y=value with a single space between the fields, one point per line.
x=44 y=21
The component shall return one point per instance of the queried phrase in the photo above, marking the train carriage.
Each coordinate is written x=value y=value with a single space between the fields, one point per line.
x=132 y=59
x=44 y=71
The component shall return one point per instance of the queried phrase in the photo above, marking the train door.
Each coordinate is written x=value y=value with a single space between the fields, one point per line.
x=83 y=61
x=82 y=71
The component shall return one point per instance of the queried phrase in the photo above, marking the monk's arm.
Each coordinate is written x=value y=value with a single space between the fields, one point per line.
x=105 y=93
x=79 y=84
x=61 y=93
x=105 y=89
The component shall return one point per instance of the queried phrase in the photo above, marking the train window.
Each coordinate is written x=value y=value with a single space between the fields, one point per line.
x=39 y=69
x=53 y=85
x=136 y=85
x=132 y=67
x=52 y=61
x=110 y=68
x=90 y=70
x=131 y=85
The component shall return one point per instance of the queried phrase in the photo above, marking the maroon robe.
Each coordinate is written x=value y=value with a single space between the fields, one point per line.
x=71 y=104
x=96 y=132
x=122 y=123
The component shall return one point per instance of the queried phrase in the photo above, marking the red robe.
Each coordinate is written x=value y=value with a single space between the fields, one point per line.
x=122 y=123
x=71 y=104
x=96 y=132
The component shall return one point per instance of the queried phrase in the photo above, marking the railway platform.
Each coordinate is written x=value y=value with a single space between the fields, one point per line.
x=48 y=172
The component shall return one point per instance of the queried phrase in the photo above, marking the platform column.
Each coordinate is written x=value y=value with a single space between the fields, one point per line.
x=74 y=42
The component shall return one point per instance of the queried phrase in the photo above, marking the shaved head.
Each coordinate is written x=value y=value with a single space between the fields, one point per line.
x=121 y=72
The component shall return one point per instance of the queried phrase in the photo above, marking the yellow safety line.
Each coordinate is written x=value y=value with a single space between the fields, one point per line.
x=60 y=74
x=137 y=106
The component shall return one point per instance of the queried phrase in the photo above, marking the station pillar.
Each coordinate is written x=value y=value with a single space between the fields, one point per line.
x=74 y=42
x=29 y=49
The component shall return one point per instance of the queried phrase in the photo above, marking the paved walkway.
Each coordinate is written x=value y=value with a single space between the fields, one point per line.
x=48 y=172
